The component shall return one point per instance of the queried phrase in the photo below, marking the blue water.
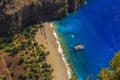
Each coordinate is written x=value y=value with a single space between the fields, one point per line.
x=96 y=26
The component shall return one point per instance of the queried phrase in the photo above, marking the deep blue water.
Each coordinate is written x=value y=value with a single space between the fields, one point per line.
x=96 y=26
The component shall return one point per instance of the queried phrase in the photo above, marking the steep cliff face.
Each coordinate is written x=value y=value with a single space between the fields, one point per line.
x=17 y=14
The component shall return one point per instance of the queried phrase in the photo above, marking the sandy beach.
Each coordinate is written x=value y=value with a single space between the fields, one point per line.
x=45 y=36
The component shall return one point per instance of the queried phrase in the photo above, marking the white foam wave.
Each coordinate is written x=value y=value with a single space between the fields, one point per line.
x=51 y=25
x=55 y=35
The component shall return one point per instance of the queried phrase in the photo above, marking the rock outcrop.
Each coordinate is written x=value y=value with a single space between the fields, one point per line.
x=16 y=14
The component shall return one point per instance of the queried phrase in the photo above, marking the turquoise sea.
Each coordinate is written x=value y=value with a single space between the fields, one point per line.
x=96 y=26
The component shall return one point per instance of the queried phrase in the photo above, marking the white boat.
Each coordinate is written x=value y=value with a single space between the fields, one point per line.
x=79 y=47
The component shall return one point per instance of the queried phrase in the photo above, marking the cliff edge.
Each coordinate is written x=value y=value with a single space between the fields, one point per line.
x=16 y=14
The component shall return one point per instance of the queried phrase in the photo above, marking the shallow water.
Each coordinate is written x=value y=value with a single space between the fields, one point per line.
x=97 y=27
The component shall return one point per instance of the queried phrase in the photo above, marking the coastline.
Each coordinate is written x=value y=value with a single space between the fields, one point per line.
x=60 y=50
x=48 y=38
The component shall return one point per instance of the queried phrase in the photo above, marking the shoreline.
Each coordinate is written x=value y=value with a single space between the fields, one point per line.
x=60 y=50
x=47 y=37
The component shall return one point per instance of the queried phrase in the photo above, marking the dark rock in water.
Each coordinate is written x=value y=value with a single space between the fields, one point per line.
x=15 y=14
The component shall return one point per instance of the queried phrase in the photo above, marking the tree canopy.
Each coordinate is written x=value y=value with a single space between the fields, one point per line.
x=113 y=72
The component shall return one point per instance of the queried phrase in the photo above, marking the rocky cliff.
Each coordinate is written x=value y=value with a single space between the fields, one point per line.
x=16 y=14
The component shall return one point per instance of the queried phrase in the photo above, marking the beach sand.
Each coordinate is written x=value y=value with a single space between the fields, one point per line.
x=45 y=36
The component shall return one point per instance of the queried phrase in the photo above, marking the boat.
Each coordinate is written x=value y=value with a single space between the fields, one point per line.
x=79 y=47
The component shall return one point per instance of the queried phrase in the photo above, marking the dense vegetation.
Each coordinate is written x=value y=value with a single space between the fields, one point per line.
x=31 y=56
x=112 y=73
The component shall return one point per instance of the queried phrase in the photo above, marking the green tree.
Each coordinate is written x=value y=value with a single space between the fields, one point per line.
x=112 y=73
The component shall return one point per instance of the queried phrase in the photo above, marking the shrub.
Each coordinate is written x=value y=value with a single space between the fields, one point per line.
x=22 y=59
x=37 y=75
x=38 y=50
x=12 y=74
x=31 y=75
x=1 y=40
x=23 y=76
x=24 y=45
x=32 y=61
x=9 y=49
x=16 y=49
x=9 y=64
x=26 y=52
x=26 y=33
x=2 y=46
x=35 y=44
x=45 y=65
